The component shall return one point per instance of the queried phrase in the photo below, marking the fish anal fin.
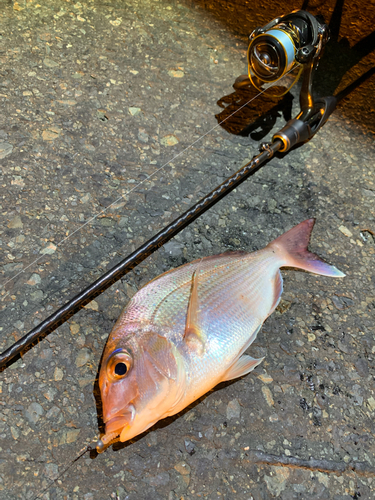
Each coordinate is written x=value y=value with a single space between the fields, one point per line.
x=193 y=334
x=278 y=290
x=244 y=365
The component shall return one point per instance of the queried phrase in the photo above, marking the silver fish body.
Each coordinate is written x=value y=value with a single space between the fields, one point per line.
x=187 y=330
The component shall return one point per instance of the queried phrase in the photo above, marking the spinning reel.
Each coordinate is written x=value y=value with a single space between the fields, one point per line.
x=284 y=45
x=278 y=54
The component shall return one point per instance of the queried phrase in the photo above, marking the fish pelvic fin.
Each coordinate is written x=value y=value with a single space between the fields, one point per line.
x=291 y=247
x=193 y=334
x=244 y=365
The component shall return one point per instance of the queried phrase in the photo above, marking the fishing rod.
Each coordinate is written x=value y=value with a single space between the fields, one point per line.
x=288 y=45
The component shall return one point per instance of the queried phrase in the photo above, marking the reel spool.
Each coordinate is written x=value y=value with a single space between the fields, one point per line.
x=279 y=51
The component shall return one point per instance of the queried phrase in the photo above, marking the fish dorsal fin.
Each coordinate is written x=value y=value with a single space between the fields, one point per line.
x=193 y=334
x=277 y=291
x=244 y=365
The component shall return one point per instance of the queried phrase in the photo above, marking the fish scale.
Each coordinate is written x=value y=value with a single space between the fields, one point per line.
x=188 y=329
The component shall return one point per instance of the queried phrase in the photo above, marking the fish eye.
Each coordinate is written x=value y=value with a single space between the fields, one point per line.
x=121 y=369
x=119 y=364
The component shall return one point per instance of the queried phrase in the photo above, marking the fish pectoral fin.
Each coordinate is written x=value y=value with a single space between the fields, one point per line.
x=193 y=334
x=244 y=365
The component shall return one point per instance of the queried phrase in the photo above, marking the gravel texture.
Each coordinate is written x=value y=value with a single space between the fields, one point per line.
x=107 y=133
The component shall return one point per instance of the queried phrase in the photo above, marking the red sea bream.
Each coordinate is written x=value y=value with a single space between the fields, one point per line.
x=187 y=330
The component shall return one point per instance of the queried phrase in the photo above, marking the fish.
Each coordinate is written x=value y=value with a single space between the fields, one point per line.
x=188 y=329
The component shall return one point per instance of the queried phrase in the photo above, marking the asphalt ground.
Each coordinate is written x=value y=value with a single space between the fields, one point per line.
x=107 y=133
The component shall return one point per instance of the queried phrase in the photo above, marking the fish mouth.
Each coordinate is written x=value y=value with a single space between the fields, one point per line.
x=114 y=426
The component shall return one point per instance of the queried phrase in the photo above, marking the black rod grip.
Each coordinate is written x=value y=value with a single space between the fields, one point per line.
x=294 y=132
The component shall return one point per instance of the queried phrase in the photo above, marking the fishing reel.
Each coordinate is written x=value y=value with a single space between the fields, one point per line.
x=279 y=53
x=284 y=47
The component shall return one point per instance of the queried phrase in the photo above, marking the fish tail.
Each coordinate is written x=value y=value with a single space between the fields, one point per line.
x=292 y=249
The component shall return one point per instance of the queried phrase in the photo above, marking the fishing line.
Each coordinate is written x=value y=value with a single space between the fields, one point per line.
x=295 y=132
x=148 y=177
x=81 y=453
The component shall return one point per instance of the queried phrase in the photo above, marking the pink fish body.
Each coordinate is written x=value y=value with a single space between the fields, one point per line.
x=187 y=330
